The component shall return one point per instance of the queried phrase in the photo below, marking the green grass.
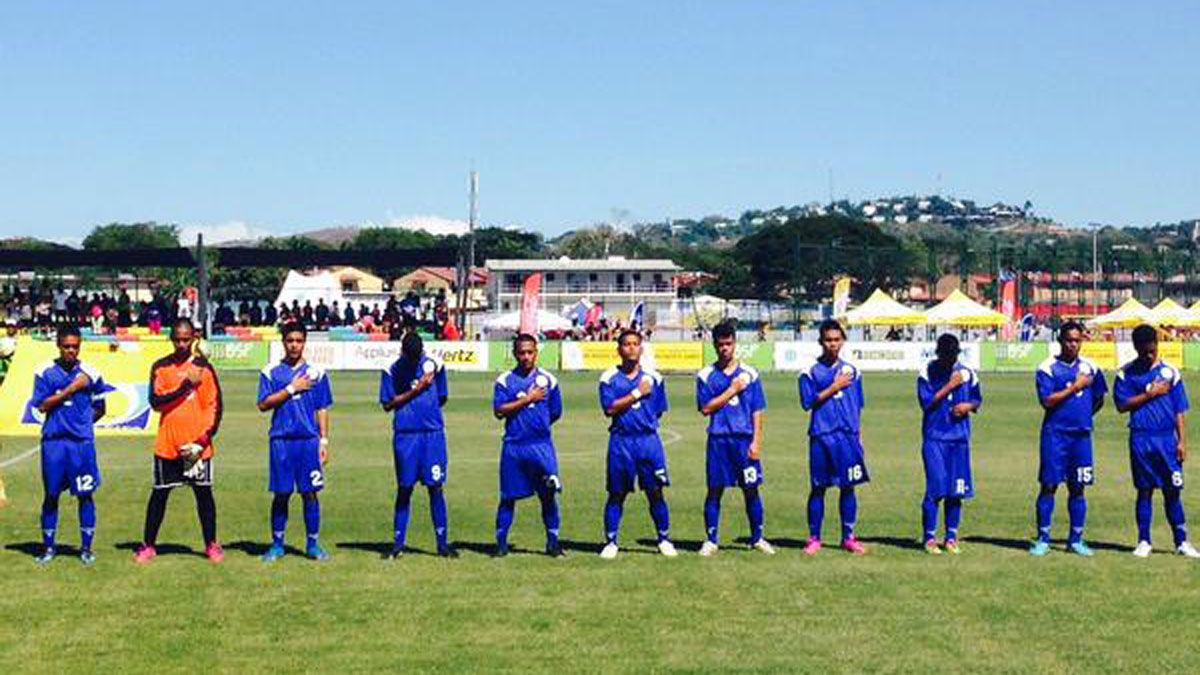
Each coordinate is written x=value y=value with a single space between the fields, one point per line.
x=992 y=608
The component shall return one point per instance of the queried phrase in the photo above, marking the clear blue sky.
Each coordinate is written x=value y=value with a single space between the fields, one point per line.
x=290 y=116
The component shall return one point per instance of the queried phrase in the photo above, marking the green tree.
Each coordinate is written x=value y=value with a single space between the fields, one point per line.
x=120 y=236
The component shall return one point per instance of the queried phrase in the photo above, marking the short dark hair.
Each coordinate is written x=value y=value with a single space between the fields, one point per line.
x=1069 y=326
x=947 y=343
x=66 y=330
x=828 y=325
x=293 y=327
x=725 y=329
x=524 y=337
x=411 y=345
x=180 y=323
x=626 y=333
x=1144 y=334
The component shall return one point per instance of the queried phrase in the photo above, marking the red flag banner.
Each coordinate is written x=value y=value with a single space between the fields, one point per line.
x=529 y=303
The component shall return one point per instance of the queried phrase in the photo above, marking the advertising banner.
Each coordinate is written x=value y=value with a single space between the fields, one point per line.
x=231 y=355
x=458 y=356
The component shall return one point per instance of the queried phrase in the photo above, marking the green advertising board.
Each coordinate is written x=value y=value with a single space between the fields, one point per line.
x=237 y=355
x=500 y=355
x=1022 y=357
x=1191 y=355
x=760 y=355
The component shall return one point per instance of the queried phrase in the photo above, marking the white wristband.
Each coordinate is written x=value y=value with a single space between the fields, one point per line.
x=324 y=441
x=290 y=390
x=637 y=394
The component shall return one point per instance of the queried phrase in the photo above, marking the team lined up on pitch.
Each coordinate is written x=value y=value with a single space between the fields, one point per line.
x=185 y=390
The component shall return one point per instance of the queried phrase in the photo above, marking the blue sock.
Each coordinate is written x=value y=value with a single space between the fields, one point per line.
x=816 y=512
x=438 y=513
x=505 y=513
x=87 y=521
x=712 y=516
x=1045 y=511
x=661 y=516
x=49 y=519
x=1144 y=511
x=279 y=518
x=754 y=513
x=953 y=517
x=848 y=508
x=929 y=514
x=400 y=517
x=312 y=519
x=1173 y=506
x=550 y=516
x=1077 y=509
x=612 y=516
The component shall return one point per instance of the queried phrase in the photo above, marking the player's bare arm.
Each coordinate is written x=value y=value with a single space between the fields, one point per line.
x=1181 y=436
x=80 y=383
x=1158 y=388
x=1082 y=381
x=755 y=452
x=625 y=402
x=721 y=400
x=323 y=429
x=840 y=382
x=299 y=383
x=511 y=408
x=940 y=395
x=403 y=398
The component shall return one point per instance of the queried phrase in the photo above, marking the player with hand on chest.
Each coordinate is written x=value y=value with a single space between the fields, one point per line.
x=832 y=390
x=948 y=393
x=299 y=397
x=529 y=401
x=634 y=399
x=1152 y=393
x=1071 y=390
x=731 y=396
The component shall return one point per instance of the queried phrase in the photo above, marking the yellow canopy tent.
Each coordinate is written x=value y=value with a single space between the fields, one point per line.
x=1129 y=314
x=1171 y=313
x=959 y=310
x=882 y=310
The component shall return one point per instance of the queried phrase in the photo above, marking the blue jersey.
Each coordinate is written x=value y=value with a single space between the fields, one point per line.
x=737 y=416
x=74 y=417
x=424 y=411
x=1158 y=414
x=531 y=423
x=642 y=416
x=938 y=424
x=296 y=417
x=839 y=413
x=1075 y=413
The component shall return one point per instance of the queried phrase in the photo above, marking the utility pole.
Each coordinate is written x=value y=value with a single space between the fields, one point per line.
x=467 y=274
x=202 y=283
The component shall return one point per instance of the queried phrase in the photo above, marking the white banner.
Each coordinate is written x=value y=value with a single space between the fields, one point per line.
x=872 y=356
x=364 y=355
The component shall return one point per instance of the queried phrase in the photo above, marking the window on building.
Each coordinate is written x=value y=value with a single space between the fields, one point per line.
x=512 y=278
x=549 y=276
x=637 y=276
x=593 y=277
x=620 y=279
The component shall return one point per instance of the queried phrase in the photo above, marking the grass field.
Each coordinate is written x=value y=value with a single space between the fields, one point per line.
x=993 y=608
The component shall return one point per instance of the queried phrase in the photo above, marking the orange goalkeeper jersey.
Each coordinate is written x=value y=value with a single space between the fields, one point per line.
x=189 y=413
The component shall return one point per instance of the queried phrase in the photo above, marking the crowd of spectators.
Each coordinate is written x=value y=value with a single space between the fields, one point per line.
x=393 y=318
x=40 y=309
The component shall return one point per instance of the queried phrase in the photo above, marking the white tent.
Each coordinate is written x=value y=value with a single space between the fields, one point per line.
x=959 y=310
x=882 y=309
x=547 y=321
x=302 y=287
x=1129 y=314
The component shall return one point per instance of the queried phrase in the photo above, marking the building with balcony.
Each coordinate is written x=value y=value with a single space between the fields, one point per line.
x=616 y=283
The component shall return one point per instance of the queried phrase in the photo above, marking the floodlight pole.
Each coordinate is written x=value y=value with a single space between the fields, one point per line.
x=202 y=287
x=464 y=288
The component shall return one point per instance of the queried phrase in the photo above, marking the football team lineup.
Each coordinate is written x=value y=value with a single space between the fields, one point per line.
x=528 y=400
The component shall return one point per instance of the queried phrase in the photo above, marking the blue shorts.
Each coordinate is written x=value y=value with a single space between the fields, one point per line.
x=296 y=465
x=1066 y=457
x=639 y=457
x=947 y=469
x=1153 y=460
x=420 y=456
x=728 y=462
x=836 y=459
x=68 y=464
x=528 y=468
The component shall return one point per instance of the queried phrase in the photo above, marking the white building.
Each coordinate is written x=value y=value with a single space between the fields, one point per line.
x=616 y=283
